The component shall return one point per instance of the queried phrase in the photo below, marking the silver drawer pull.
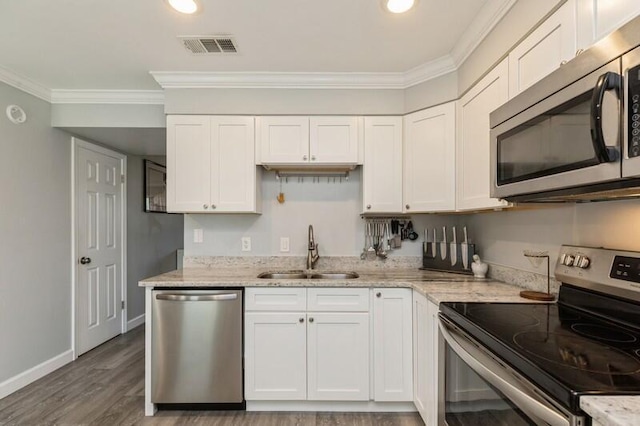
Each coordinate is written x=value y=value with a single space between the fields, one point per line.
x=197 y=298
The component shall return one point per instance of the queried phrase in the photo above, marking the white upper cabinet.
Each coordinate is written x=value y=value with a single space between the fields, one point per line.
x=211 y=164
x=543 y=51
x=472 y=139
x=597 y=18
x=298 y=140
x=382 y=167
x=429 y=160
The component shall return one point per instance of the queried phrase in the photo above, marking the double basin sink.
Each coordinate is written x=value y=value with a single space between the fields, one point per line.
x=297 y=275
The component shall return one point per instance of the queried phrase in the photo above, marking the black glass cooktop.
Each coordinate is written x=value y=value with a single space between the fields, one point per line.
x=566 y=351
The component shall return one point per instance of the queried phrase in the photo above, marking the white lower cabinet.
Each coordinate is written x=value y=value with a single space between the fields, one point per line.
x=392 y=343
x=275 y=356
x=337 y=356
x=307 y=355
x=426 y=350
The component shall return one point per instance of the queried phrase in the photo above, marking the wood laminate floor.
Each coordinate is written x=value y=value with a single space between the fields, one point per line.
x=106 y=387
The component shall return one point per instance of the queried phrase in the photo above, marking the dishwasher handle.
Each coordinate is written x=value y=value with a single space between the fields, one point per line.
x=197 y=298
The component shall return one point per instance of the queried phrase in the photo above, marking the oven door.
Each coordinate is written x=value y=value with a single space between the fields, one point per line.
x=480 y=389
x=569 y=139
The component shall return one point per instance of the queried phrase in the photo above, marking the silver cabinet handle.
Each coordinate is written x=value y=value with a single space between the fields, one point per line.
x=311 y=319
x=85 y=260
x=368 y=206
x=407 y=206
x=304 y=157
x=205 y=206
x=213 y=206
x=313 y=158
x=301 y=320
x=197 y=298
x=378 y=294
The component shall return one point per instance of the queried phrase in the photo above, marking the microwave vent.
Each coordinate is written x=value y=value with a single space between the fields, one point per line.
x=204 y=45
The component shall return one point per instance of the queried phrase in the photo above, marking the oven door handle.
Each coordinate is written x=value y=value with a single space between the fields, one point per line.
x=490 y=370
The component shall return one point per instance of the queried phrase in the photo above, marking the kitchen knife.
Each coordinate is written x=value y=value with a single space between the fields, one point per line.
x=465 y=249
x=443 y=243
x=433 y=243
x=454 y=254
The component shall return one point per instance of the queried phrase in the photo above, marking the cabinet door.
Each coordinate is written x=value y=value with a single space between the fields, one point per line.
x=338 y=356
x=543 y=50
x=597 y=18
x=284 y=140
x=429 y=160
x=392 y=345
x=275 y=356
x=233 y=169
x=382 y=166
x=472 y=139
x=422 y=361
x=188 y=167
x=333 y=140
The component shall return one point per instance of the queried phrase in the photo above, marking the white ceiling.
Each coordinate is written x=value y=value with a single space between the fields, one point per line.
x=114 y=44
x=104 y=51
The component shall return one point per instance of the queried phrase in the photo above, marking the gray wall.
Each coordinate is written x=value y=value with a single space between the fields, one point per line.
x=332 y=208
x=35 y=228
x=152 y=238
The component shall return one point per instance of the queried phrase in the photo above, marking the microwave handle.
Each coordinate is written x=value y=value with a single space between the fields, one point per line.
x=607 y=81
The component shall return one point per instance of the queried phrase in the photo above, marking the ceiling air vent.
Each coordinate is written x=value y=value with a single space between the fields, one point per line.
x=209 y=44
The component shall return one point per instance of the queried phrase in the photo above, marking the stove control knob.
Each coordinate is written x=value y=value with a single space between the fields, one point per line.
x=569 y=260
x=563 y=256
x=576 y=261
x=584 y=262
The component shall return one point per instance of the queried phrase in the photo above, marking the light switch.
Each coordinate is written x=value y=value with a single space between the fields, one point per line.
x=284 y=244
x=198 y=235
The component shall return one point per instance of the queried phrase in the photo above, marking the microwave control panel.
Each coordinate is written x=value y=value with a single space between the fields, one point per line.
x=633 y=121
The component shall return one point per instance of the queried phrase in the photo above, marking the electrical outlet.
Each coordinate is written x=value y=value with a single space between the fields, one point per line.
x=198 y=235
x=284 y=244
x=246 y=243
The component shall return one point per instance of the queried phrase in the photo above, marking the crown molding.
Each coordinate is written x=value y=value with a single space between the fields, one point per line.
x=139 y=97
x=277 y=80
x=25 y=84
x=489 y=16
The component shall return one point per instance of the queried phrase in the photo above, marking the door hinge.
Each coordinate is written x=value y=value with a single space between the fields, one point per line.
x=121 y=178
x=122 y=304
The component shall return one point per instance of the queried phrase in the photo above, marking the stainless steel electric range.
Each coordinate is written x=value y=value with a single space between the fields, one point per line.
x=530 y=363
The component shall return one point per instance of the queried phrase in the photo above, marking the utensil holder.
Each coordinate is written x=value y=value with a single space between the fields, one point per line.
x=437 y=256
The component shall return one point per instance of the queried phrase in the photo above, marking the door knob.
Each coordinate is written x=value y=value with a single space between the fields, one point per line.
x=378 y=294
x=85 y=260
x=311 y=319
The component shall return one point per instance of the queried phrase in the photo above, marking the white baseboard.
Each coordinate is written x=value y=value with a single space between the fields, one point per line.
x=342 y=406
x=21 y=380
x=133 y=323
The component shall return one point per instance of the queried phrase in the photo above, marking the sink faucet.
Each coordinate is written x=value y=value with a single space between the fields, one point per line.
x=312 y=254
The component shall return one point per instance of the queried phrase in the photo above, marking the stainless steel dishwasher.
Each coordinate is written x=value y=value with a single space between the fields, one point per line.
x=197 y=347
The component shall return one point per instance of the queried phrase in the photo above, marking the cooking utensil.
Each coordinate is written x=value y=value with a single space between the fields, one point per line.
x=371 y=252
x=433 y=243
x=443 y=243
x=387 y=236
x=465 y=249
x=411 y=234
x=454 y=254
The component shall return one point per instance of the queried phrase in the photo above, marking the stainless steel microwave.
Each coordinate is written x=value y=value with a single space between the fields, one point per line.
x=574 y=135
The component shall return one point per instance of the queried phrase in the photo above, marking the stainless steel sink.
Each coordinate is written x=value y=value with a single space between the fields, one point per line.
x=334 y=276
x=297 y=275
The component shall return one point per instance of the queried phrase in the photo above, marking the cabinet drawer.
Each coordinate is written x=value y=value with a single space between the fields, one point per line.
x=338 y=299
x=275 y=299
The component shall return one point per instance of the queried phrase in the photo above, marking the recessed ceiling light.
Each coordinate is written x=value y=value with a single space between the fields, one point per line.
x=398 y=6
x=184 y=6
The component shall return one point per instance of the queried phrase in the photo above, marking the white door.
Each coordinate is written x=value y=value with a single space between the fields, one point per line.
x=284 y=140
x=382 y=169
x=392 y=344
x=338 y=356
x=275 y=356
x=430 y=160
x=333 y=140
x=99 y=244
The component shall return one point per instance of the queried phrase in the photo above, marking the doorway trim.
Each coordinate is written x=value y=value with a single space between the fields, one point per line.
x=76 y=143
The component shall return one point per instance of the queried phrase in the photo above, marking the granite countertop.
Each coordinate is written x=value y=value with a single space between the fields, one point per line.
x=436 y=286
x=612 y=410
